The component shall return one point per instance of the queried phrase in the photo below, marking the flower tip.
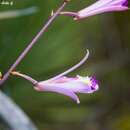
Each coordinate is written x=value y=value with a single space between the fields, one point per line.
x=126 y=8
x=0 y=75
x=52 y=13
x=78 y=101
x=87 y=52
x=76 y=18
x=37 y=88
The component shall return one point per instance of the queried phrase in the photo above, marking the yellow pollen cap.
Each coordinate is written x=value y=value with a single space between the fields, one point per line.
x=87 y=81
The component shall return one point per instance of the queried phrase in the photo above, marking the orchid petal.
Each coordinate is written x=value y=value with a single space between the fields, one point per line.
x=102 y=10
x=69 y=86
x=59 y=90
x=101 y=6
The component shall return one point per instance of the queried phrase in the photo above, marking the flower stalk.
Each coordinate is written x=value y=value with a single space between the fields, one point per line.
x=33 y=42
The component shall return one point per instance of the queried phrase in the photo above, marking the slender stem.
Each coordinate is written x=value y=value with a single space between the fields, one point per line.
x=28 y=48
x=73 y=14
x=33 y=81
x=72 y=68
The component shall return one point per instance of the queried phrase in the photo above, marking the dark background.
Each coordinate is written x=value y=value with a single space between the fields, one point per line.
x=63 y=45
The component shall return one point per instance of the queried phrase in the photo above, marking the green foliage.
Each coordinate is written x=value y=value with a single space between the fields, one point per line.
x=65 y=42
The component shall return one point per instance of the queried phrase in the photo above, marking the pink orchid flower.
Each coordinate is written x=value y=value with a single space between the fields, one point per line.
x=101 y=6
x=62 y=84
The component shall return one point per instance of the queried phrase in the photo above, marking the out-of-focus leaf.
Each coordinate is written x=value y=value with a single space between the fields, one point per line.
x=17 y=13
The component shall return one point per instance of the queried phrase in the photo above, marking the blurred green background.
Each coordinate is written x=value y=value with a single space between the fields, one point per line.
x=63 y=45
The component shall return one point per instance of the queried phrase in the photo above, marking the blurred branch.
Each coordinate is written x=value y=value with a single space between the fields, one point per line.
x=13 y=116
x=18 y=13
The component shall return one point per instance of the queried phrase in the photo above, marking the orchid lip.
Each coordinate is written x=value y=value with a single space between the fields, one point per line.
x=125 y=3
x=69 y=86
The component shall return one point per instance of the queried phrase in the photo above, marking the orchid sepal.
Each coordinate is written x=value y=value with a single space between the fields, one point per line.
x=101 y=6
